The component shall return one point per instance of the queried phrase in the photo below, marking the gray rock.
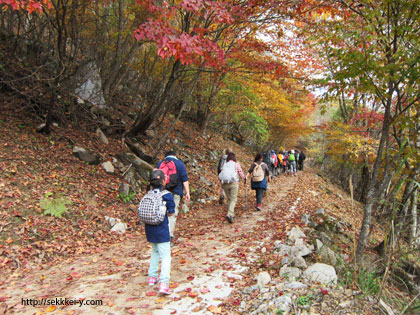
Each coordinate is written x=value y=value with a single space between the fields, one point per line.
x=301 y=250
x=322 y=273
x=296 y=285
x=319 y=244
x=112 y=221
x=88 y=85
x=346 y=304
x=120 y=228
x=41 y=127
x=86 y=156
x=283 y=303
x=102 y=136
x=141 y=166
x=282 y=249
x=325 y=238
x=206 y=181
x=320 y=211
x=291 y=273
x=108 y=167
x=294 y=234
x=277 y=244
x=134 y=179
x=328 y=256
x=299 y=262
x=263 y=279
x=124 y=188
x=306 y=218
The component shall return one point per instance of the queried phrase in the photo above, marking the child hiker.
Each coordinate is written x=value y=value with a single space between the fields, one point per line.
x=158 y=235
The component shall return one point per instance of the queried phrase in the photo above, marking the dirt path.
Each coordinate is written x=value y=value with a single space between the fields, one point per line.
x=205 y=268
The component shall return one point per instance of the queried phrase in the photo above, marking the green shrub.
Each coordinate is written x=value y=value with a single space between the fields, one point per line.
x=54 y=205
x=127 y=197
x=368 y=282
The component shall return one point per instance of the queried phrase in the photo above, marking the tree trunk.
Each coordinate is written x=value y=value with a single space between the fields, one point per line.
x=415 y=234
x=143 y=121
x=184 y=105
x=372 y=192
x=402 y=213
x=364 y=182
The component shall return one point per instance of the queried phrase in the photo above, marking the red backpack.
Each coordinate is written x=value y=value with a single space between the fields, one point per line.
x=169 y=169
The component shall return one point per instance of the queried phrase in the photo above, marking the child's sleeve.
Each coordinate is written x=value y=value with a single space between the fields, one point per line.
x=170 y=203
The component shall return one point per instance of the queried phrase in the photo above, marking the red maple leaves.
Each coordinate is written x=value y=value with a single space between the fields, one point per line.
x=28 y=5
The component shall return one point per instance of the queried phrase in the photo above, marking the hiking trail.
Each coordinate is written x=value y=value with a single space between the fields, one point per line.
x=204 y=268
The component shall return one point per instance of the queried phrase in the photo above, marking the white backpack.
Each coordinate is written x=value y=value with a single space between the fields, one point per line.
x=152 y=209
x=228 y=174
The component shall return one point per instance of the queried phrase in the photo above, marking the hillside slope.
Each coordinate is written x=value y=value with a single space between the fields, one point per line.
x=77 y=256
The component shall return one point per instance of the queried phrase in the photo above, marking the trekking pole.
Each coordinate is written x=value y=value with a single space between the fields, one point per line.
x=246 y=198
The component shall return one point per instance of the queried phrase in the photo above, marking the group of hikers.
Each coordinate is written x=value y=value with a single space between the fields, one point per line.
x=159 y=208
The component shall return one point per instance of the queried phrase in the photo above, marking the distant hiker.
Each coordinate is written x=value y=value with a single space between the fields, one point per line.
x=222 y=161
x=302 y=158
x=297 y=154
x=260 y=176
x=158 y=235
x=176 y=181
x=292 y=162
x=285 y=162
x=273 y=163
x=230 y=176
x=280 y=163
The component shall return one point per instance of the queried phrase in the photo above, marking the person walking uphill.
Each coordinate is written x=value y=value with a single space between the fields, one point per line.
x=176 y=182
x=157 y=234
x=229 y=177
x=260 y=177
x=222 y=161
x=292 y=161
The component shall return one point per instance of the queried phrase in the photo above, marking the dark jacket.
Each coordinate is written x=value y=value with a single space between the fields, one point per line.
x=181 y=172
x=160 y=233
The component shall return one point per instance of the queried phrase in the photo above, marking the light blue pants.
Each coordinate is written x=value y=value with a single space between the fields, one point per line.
x=160 y=251
x=292 y=167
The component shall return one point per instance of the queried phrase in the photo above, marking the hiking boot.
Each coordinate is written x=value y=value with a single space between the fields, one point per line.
x=164 y=288
x=221 y=198
x=230 y=219
x=151 y=281
x=258 y=207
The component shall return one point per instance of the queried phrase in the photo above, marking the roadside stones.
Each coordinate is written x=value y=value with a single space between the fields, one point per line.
x=124 y=188
x=299 y=262
x=322 y=273
x=263 y=279
x=328 y=255
x=102 y=136
x=116 y=225
x=86 y=156
x=290 y=273
x=108 y=167
x=295 y=234
x=295 y=285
